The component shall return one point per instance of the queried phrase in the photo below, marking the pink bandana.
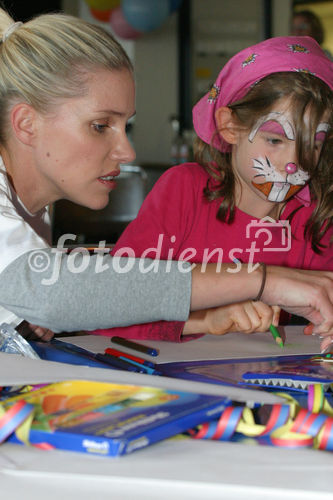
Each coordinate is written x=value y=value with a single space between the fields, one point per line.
x=289 y=53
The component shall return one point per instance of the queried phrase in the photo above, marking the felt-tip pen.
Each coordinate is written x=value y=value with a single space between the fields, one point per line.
x=119 y=363
x=117 y=353
x=135 y=346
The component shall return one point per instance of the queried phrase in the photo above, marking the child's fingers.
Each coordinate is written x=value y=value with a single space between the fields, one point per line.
x=250 y=319
x=276 y=315
x=265 y=314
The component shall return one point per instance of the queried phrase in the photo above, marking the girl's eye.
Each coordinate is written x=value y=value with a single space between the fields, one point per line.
x=273 y=140
x=99 y=127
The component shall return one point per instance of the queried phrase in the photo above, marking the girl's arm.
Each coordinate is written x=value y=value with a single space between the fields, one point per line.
x=246 y=317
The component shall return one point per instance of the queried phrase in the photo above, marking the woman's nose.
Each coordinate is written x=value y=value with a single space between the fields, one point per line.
x=123 y=151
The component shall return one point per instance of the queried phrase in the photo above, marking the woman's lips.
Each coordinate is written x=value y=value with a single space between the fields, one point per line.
x=109 y=179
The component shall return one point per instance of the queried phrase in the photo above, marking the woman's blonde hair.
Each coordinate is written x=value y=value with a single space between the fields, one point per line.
x=305 y=93
x=49 y=57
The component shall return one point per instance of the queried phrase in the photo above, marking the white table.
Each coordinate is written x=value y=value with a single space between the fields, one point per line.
x=173 y=469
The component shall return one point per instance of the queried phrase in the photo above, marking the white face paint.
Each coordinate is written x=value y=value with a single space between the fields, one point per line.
x=278 y=118
x=277 y=186
x=282 y=180
x=265 y=159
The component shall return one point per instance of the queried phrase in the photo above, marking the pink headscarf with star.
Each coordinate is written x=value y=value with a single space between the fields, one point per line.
x=289 y=53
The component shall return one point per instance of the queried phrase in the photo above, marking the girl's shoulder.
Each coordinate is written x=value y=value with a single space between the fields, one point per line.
x=304 y=210
x=187 y=172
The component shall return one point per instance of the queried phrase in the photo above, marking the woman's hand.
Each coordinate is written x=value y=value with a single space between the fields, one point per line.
x=34 y=332
x=246 y=317
x=42 y=333
x=327 y=339
x=304 y=293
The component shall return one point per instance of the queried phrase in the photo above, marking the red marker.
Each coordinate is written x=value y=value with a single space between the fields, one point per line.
x=115 y=352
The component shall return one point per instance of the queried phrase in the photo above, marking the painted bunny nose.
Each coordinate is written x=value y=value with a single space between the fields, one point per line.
x=291 y=168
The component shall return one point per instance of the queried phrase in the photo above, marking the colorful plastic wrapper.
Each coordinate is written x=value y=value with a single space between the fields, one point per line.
x=12 y=342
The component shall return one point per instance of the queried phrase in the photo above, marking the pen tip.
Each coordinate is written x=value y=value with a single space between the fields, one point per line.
x=279 y=341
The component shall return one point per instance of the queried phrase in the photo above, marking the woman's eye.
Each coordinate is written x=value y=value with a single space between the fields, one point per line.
x=99 y=127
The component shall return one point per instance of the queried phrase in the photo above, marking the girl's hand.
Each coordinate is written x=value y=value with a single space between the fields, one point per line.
x=246 y=317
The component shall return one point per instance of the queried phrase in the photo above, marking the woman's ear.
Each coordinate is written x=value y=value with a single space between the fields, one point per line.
x=226 y=124
x=23 y=118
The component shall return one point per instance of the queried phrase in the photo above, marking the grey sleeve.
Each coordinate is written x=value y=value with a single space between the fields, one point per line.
x=74 y=292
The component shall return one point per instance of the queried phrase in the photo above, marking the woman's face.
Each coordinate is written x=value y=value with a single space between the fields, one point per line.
x=81 y=144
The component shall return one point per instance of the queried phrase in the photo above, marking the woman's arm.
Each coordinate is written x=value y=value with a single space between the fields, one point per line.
x=304 y=293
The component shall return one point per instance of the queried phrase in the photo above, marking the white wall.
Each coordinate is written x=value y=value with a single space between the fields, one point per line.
x=157 y=91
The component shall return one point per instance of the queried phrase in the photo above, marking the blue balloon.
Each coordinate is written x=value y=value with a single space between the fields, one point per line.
x=145 y=15
x=174 y=5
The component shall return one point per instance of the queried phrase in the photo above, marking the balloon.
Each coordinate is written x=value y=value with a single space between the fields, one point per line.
x=101 y=15
x=103 y=4
x=121 y=27
x=145 y=15
x=174 y=5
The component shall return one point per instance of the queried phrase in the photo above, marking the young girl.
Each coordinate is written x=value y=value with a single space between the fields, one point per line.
x=261 y=187
x=66 y=94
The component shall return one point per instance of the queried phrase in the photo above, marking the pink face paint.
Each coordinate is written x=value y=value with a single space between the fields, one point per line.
x=273 y=127
x=291 y=168
x=279 y=119
x=321 y=132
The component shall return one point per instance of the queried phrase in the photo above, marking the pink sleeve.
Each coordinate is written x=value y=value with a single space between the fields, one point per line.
x=159 y=227
x=169 y=331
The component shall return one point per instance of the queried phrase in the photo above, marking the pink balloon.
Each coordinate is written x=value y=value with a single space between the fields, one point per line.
x=121 y=27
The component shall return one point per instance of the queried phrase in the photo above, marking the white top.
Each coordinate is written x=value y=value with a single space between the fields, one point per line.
x=20 y=232
x=78 y=300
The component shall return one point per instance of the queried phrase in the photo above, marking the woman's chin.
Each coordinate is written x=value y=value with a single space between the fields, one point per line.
x=96 y=204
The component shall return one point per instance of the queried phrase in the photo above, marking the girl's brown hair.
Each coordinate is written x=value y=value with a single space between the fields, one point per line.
x=305 y=93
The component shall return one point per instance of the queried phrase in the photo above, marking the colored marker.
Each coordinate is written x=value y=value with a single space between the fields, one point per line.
x=276 y=335
x=119 y=363
x=135 y=346
x=143 y=368
x=117 y=353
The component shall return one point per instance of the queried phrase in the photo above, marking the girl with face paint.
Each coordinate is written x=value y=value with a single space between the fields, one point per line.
x=66 y=93
x=260 y=189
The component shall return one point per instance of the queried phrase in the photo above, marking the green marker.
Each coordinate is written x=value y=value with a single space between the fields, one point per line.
x=276 y=335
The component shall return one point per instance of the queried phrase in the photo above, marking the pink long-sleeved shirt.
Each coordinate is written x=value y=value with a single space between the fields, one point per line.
x=176 y=222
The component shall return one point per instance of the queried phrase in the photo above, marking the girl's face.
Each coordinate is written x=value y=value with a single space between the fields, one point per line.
x=265 y=161
x=81 y=144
